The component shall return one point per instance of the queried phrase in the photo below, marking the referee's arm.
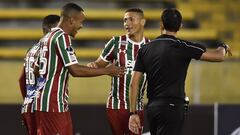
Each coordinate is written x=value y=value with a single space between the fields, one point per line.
x=134 y=120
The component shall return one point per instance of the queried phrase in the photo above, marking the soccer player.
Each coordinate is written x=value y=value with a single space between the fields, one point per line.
x=56 y=60
x=28 y=77
x=165 y=60
x=123 y=50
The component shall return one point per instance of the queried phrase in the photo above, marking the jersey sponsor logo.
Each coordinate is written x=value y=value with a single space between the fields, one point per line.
x=129 y=65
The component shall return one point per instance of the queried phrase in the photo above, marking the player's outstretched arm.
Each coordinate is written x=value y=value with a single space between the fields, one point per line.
x=216 y=55
x=22 y=83
x=77 y=70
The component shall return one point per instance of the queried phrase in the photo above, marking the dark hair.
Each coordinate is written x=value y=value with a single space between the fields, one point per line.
x=66 y=9
x=50 y=20
x=171 y=19
x=137 y=10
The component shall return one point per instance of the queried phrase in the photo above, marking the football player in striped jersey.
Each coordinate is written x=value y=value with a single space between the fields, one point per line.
x=56 y=60
x=123 y=50
x=28 y=83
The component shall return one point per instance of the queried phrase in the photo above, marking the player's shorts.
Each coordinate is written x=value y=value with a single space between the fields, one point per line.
x=118 y=119
x=54 y=123
x=30 y=123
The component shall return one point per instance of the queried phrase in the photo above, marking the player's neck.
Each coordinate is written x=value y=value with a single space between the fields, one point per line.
x=169 y=33
x=64 y=27
x=136 y=37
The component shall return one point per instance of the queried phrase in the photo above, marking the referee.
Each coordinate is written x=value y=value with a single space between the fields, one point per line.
x=165 y=60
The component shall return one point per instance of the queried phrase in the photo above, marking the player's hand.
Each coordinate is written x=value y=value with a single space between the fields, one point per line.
x=115 y=70
x=134 y=124
x=228 y=50
x=92 y=65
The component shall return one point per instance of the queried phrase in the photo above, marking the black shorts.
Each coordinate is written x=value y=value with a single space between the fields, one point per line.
x=165 y=117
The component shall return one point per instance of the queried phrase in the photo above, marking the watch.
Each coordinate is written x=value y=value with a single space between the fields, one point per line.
x=132 y=113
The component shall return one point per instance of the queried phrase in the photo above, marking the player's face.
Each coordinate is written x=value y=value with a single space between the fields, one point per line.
x=133 y=23
x=77 y=23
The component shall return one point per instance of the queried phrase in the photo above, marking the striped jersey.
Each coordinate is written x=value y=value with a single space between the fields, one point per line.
x=56 y=53
x=31 y=83
x=123 y=51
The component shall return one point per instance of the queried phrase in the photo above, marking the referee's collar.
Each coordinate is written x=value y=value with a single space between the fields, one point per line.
x=166 y=36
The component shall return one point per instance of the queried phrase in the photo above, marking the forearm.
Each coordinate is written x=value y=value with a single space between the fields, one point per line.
x=216 y=55
x=134 y=91
x=133 y=97
x=77 y=70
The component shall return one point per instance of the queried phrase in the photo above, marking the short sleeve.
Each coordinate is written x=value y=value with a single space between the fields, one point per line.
x=66 y=51
x=108 y=52
x=139 y=62
x=192 y=50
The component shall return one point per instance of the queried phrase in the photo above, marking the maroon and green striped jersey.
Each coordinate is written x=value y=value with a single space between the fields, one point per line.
x=56 y=53
x=31 y=83
x=123 y=51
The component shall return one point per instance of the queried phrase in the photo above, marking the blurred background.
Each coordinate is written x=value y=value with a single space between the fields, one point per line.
x=213 y=88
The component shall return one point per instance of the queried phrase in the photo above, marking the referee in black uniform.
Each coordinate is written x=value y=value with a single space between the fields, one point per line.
x=165 y=60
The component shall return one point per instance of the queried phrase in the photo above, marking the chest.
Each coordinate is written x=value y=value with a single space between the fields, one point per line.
x=126 y=54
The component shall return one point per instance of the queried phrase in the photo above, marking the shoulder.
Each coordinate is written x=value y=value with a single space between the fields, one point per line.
x=189 y=44
x=119 y=39
x=147 y=40
x=145 y=47
x=57 y=33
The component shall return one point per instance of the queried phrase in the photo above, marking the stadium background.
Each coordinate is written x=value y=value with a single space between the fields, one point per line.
x=210 y=86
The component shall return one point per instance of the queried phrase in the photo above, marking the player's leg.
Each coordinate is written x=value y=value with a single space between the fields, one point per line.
x=174 y=120
x=52 y=123
x=151 y=119
x=114 y=120
x=30 y=123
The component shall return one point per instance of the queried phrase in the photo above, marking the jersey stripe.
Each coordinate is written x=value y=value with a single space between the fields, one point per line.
x=51 y=63
x=129 y=73
x=107 y=53
x=51 y=72
x=122 y=61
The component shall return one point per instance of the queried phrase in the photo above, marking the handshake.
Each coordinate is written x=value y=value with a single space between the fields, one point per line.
x=111 y=69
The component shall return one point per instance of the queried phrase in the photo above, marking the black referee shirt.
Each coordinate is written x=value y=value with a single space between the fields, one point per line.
x=165 y=60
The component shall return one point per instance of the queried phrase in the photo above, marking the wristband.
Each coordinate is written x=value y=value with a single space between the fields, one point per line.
x=132 y=113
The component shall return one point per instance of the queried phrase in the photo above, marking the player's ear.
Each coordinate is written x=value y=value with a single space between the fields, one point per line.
x=161 y=26
x=181 y=26
x=143 y=21
x=71 y=20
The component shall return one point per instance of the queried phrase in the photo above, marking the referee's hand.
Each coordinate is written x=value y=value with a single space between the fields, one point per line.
x=134 y=124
